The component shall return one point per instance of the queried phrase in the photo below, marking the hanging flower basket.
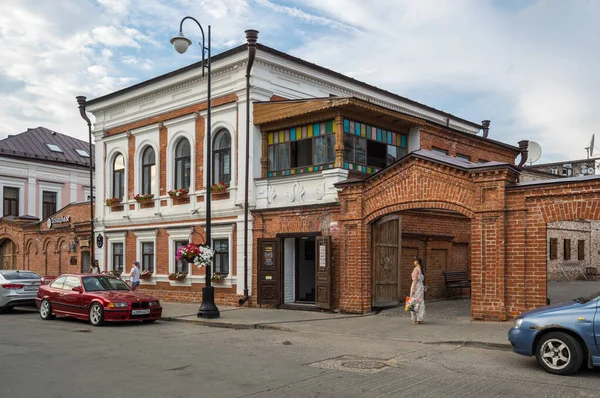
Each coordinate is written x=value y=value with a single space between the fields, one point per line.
x=113 y=273
x=219 y=188
x=111 y=202
x=146 y=274
x=178 y=193
x=177 y=276
x=200 y=255
x=143 y=197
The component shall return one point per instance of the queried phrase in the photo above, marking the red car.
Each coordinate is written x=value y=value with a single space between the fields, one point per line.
x=97 y=299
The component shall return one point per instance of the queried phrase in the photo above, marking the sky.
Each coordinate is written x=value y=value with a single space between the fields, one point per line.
x=530 y=66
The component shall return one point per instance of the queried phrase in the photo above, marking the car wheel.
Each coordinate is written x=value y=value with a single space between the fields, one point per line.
x=96 y=315
x=46 y=310
x=559 y=353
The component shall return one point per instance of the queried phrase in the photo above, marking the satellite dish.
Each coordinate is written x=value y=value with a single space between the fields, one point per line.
x=535 y=152
x=590 y=148
x=590 y=170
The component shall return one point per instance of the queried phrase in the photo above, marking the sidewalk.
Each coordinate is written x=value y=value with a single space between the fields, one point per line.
x=393 y=324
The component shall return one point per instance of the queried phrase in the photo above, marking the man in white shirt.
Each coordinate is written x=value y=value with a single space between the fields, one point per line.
x=134 y=275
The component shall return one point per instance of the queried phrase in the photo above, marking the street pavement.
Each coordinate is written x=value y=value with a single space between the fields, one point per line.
x=68 y=358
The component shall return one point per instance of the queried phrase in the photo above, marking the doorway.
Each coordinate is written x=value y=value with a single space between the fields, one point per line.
x=85 y=262
x=299 y=270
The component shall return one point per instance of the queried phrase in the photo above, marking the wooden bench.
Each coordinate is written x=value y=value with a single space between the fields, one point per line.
x=455 y=283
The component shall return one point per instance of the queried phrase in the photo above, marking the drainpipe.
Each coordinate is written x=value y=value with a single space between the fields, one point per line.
x=485 y=124
x=251 y=37
x=524 y=148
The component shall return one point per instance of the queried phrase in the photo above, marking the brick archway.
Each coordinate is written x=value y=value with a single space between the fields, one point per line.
x=418 y=183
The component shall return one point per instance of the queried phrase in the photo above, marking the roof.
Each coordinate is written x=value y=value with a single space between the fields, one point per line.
x=533 y=166
x=557 y=181
x=33 y=144
x=272 y=51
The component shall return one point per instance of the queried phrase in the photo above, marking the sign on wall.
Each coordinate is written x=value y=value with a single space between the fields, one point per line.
x=58 y=220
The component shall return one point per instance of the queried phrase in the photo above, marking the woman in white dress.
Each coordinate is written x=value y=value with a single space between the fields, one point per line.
x=417 y=292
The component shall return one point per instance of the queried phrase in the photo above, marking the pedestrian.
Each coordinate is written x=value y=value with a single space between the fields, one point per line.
x=95 y=268
x=134 y=275
x=417 y=292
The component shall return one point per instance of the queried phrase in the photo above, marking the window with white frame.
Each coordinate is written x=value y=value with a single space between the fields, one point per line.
x=117 y=256
x=148 y=256
x=222 y=157
x=181 y=265
x=118 y=174
x=11 y=201
x=148 y=170
x=221 y=260
x=183 y=164
x=48 y=203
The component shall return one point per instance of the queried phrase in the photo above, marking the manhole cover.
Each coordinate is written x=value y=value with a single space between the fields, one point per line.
x=355 y=364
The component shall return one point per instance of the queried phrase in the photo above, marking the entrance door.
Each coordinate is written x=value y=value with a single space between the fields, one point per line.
x=269 y=274
x=323 y=272
x=386 y=254
x=85 y=262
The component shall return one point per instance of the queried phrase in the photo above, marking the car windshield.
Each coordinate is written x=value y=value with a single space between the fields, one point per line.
x=587 y=299
x=103 y=283
x=15 y=275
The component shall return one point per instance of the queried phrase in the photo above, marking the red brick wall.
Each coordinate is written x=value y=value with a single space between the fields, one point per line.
x=477 y=148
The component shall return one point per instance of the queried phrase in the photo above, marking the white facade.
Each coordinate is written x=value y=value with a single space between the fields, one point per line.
x=272 y=74
x=33 y=178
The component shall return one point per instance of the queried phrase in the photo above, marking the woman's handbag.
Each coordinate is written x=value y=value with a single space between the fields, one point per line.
x=413 y=305
x=406 y=305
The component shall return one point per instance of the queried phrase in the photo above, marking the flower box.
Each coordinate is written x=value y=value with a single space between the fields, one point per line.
x=112 y=202
x=177 y=276
x=143 y=198
x=218 y=188
x=113 y=273
x=146 y=275
x=178 y=193
x=217 y=277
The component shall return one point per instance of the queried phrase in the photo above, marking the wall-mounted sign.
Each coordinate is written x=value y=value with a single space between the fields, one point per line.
x=58 y=220
x=84 y=243
x=99 y=241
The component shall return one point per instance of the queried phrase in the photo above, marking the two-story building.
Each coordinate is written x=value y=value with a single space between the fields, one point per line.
x=41 y=172
x=348 y=183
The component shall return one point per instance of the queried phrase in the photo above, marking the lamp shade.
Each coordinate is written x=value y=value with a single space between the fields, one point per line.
x=181 y=43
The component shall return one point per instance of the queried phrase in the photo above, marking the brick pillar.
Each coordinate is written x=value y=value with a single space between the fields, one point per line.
x=163 y=142
x=131 y=164
x=200 y=131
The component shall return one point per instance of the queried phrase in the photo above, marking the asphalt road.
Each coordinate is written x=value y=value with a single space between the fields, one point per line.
x=68 y=358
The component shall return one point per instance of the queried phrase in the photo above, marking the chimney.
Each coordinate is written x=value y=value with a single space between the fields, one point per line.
x=485 y=124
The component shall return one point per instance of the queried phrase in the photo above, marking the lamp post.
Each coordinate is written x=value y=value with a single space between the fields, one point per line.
x=208 y=309
x=81 y=101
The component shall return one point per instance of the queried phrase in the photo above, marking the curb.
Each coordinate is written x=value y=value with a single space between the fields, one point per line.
x=262 y=326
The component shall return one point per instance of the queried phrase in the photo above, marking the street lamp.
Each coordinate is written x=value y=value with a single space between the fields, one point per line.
x=208 y=309
x=81 y=101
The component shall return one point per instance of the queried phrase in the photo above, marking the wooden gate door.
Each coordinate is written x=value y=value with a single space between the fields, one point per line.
x=323 y=272
x=386 y=254
x=269 y=274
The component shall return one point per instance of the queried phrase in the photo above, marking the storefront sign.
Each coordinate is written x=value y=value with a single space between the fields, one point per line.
x=58 y=220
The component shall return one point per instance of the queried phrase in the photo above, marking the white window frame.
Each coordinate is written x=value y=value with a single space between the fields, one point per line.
x=48 y=187
x=219 y=232
x=145 y=237
x=13 y=183
x=183 y=127
x=116 y=237
x=179 y=235
x=109 y=173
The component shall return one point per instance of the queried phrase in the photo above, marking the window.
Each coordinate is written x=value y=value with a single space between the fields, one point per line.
x=221 y=247
x=82 y=153
x=48 y=204
x=369 y=149
x=581 y=250
x=54 y=148
x=58 y=282
x=118 y=171
x=181 y=265
x=464 y=157
x=440 y=150
x=553 y=248
x=301 y=149
x=148 y=256
x=148 y=170
x=11 y=201
x=567 y=170
x=567 y=249
x=117 y=257
x=71 y=282
x=182 y=164
x=222 y=158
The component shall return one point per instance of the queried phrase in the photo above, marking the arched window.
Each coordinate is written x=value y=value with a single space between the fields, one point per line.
x=222 y=158
x=148 y=170
x=118 y=174
x=183 y=164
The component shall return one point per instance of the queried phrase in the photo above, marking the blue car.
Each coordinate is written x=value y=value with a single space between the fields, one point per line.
x=561 y=336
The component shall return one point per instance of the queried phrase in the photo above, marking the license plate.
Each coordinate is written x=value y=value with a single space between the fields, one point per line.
x=140 y=312
x=30 y=288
